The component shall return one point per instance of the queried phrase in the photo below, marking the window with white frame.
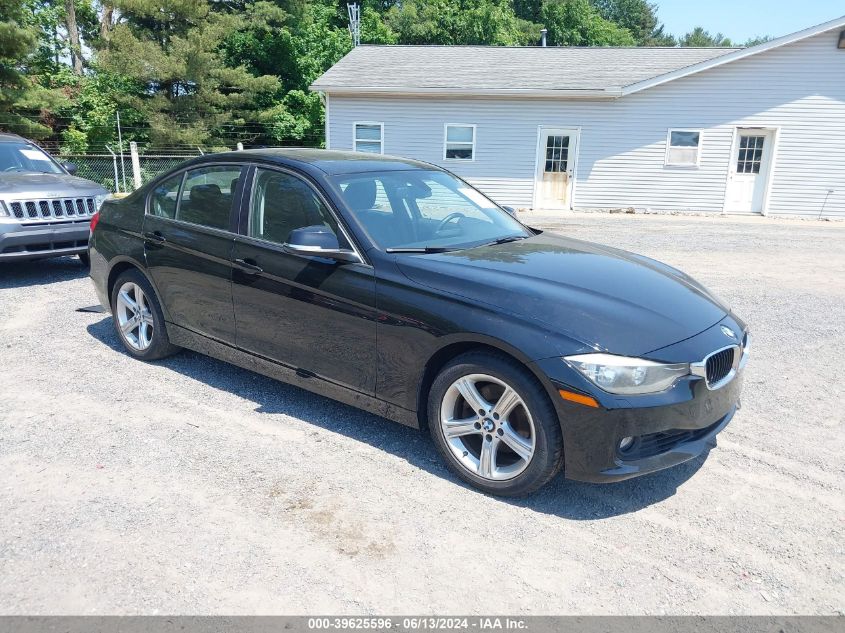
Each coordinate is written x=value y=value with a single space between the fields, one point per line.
x=683 y=148
x=459 y=142
x=369 y=137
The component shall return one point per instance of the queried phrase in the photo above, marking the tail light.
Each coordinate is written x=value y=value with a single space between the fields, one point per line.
x=94 y=219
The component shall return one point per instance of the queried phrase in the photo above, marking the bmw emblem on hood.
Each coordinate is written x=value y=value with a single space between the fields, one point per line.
x=728 y=332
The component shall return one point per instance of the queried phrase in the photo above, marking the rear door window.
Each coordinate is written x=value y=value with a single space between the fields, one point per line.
x=165 y=197
x=208 y=195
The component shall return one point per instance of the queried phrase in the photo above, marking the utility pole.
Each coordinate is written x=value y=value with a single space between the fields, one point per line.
x=354 y=11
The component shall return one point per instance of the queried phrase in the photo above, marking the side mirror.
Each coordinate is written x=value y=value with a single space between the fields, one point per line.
x=70 y=168
x=510 y=210
x=318 y=241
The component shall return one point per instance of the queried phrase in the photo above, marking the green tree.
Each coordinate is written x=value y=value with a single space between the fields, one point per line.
x=757 y=39
x=22 y=98
x=638 y=16
x=465 y=22
x=578 y=23
x=700 y=38
x=175 y=50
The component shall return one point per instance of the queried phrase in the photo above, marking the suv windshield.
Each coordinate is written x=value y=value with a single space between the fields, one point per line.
x=421 y=209
x=18 y=157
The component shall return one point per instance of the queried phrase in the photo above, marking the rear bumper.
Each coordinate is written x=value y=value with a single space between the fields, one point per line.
x=23 y=242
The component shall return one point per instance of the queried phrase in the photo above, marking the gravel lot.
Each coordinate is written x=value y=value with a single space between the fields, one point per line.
x=191 y=486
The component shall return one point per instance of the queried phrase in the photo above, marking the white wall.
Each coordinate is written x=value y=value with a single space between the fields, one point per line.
x=798 y=88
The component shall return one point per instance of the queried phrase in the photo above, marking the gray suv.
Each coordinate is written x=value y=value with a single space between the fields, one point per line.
x=45 y=210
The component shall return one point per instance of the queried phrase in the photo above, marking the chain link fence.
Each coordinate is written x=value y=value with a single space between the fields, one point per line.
x=114 y=171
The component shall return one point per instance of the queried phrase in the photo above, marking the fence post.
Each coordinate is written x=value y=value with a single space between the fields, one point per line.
x=136 y=164
x=114 y=164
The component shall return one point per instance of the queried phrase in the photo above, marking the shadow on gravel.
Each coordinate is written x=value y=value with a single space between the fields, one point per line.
x=40 y=271
x=566 y=499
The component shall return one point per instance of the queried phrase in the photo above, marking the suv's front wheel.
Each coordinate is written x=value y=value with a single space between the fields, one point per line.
x=138 y=318
x=494 y=425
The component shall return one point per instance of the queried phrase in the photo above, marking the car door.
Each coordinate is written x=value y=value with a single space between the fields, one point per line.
x=188 y=241
x=313 y=314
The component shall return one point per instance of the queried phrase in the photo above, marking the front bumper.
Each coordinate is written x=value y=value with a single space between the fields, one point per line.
x=669 y=428
x=36 y=241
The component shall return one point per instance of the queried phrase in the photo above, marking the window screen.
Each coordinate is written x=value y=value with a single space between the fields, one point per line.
x=684 y=147
x=460 y=142
x=369 y=137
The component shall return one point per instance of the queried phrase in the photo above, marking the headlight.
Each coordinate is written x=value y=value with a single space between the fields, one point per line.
x=622 y=375
x=99 y=200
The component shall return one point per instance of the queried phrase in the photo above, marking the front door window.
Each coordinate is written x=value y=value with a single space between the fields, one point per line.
x=557 y=153
x=282 y=203
x=750 y=154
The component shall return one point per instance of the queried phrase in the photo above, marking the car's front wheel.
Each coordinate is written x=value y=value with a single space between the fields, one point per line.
x=494 y=425
x=138 y=319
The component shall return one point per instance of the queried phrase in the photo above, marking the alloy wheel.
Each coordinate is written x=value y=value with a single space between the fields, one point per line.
x=487 y=427
x=134 y=316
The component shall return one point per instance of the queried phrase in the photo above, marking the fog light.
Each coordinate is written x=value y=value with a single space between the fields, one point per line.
x=626 y=443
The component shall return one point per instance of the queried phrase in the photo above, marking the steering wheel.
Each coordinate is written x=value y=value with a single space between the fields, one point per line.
x=13 y=168
x=457 y=215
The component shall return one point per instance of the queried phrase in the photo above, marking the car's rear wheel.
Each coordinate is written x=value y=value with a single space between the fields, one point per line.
x=494 y=425
x=138 y=319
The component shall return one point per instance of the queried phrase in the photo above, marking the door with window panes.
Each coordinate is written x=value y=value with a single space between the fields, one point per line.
x=309 y=313
x=555 y=168
x=748 y=178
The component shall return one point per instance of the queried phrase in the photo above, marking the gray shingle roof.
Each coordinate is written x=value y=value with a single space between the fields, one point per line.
x=501 y=68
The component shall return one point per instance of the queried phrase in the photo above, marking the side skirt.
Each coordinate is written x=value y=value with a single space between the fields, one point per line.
x=298 y=378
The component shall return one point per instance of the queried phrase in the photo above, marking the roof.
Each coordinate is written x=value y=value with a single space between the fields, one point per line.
x=567 y=72
x=503 y=69
x=8 y=137
x=331 y=162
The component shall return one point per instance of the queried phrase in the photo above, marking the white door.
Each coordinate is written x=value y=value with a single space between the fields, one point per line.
x=555 y=168
x=748 y=178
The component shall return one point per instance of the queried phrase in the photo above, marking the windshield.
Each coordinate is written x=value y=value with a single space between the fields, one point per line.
x=18 y=157
x=424 y=209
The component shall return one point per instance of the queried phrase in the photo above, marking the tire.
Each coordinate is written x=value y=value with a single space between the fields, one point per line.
x=84 y=259
x=147 y=340
x=509 y=455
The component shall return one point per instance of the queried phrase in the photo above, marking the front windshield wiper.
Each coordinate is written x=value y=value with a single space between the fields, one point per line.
x=505 y=240
x=420 y=249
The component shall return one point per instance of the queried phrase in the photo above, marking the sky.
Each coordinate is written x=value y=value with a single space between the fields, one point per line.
x=744 y=19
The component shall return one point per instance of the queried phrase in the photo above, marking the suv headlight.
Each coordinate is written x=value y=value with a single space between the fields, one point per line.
x=623 y=375
x=99 y=200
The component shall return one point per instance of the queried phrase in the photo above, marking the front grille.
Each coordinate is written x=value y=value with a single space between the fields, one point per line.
x=719 y=365
x=61 y=208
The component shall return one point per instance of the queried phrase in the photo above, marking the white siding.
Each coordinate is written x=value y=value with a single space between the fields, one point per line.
x=799 y=89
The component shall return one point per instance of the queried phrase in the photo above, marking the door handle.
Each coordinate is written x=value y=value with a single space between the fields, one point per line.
x=155 y=236
x=249 y=267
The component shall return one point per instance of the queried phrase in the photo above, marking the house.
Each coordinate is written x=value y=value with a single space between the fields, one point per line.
x=754 y=130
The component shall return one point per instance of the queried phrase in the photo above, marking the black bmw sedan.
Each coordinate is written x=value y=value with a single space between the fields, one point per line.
x=394 y=286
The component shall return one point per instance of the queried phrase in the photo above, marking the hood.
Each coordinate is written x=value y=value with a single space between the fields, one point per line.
x=38 y=185
x=603 y=297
